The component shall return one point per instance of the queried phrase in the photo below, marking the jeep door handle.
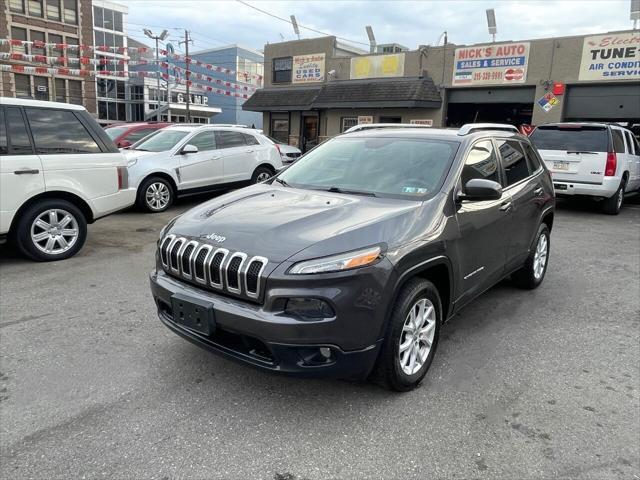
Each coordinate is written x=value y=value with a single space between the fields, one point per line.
x=538 y=191
x=506 y=206
x=27 y=171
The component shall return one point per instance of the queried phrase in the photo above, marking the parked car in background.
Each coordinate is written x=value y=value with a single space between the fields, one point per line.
x=348 y=262
x=187 y=159
x=288 y=153
x=597 y=160
x=127 y=134
x=59 y=171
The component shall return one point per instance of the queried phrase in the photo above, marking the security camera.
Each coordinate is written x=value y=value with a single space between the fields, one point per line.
x=332 y=72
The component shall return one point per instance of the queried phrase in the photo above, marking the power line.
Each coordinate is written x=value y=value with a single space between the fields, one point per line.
x=299 y=25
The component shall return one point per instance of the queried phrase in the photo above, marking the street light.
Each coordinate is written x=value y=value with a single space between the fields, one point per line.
x=162 y=37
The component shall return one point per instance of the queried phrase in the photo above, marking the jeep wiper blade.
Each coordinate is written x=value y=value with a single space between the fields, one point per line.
x=282 y=182
x=350 y=192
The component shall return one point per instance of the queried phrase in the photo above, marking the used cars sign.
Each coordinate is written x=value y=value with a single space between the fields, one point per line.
x=496 y=64
x=611 y=57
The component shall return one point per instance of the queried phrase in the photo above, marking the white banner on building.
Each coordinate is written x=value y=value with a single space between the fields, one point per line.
x=611 y=57
x=500 y=64
x=308 y=68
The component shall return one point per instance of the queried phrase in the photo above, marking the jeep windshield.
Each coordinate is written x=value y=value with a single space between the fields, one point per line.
x=160 y=141
x=385 y=166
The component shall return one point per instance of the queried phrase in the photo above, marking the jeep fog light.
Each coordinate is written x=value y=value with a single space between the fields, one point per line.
x=308 y=308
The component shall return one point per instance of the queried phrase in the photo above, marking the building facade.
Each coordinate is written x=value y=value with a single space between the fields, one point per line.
x=112 y=90
x=58 y=22
x=248 y=67
x=314 y=90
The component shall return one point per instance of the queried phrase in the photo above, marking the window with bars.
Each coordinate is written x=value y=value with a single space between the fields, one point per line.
x=347 y=122
x=282 y=69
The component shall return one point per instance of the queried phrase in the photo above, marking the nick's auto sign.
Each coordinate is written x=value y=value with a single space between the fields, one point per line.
x=491 y=64
x=611 y=57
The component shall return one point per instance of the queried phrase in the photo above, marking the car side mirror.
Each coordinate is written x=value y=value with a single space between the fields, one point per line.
x=478 y=189
x=124 y=144
x=188 y=148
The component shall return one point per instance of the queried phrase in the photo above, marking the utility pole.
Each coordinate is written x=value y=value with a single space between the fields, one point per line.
x=188 y=75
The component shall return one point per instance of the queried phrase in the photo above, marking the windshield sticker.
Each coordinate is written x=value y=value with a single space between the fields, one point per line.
x=414 y=190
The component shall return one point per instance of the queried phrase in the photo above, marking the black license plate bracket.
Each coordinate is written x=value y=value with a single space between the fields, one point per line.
x=193 y=313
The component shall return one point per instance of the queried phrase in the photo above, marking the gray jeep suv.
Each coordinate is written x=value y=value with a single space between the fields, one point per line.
x=347 y=263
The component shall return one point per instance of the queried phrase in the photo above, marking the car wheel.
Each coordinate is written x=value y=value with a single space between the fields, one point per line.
x=612 y=205
x=51 y=230
x=261 y=174
x=530 y=276
x=412 y=337
x=155 y=195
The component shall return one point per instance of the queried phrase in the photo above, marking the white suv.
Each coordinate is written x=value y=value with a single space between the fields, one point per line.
x=592 y=159
x=58 y=172
x=187 y=159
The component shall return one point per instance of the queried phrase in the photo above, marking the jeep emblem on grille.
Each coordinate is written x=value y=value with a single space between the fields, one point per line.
x=215 y=237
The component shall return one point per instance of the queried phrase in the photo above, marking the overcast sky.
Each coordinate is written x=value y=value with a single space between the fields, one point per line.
x=218 y=22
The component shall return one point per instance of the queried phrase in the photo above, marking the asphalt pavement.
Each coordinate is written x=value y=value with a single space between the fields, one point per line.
x=525 y=384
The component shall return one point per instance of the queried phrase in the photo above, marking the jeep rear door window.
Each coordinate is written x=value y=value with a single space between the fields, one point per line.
x=161 y=141
x=384 y=166
x=570 y=138
x=17 y=130
x=59 y=131
x=481 y=162
x=514 y=161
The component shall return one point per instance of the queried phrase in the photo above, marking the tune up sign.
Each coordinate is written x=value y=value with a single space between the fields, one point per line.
x=611 y=57
x=496 y=64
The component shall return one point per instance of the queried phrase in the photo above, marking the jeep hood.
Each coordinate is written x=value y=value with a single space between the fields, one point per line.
x=278 y=222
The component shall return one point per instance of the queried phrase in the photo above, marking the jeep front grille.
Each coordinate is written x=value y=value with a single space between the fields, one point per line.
x=215 y=268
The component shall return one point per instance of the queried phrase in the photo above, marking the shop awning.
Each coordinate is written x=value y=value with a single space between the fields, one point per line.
x=404 y=92
x=284 y=99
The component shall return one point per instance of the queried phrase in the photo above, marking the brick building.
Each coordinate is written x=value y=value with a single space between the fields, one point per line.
x=50 y=21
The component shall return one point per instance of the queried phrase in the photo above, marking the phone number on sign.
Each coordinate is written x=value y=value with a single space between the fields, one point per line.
x=495 y=75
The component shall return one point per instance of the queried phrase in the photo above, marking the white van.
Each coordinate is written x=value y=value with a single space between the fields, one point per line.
x=593 y=159
x=58 y=171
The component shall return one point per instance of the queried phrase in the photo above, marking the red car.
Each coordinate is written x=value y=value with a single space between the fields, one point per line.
x=127 y=134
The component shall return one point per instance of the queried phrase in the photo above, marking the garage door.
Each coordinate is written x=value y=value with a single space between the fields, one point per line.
x=602 y=102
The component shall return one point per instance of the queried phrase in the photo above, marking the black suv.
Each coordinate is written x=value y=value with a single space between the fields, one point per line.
x=347 y=263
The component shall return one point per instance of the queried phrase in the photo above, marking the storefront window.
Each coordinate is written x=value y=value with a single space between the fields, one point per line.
x=280 y=129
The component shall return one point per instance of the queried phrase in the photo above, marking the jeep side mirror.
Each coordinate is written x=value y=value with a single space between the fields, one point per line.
x=188 y=148
x=478 y=189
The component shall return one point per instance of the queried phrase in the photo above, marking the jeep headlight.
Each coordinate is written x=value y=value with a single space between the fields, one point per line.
x=340 y=262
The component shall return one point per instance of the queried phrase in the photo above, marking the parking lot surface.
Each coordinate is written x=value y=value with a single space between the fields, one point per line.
x=525 y=384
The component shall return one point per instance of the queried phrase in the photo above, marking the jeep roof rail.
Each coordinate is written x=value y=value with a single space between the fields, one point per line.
x=371 y=126
x=468 y=128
